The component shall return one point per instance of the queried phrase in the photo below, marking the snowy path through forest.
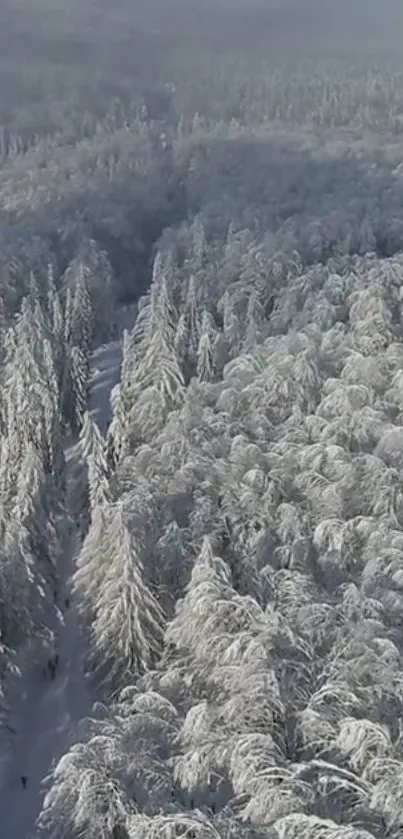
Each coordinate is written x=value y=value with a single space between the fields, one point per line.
x=47 y=712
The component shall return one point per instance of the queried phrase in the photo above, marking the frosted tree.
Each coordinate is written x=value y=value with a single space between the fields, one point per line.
x=115 y=599
x=33 y=507
x=31 y=397
x=188 y=331
x=298 y=825
x=33 y=289
x=117 y=434
x=254 y=323
x=205 y=349
x=95 y=266
x=93 y=561
x=76 y=397
x=78 y=311
x=22 y=587
x=155 y=306
x=129 y=624
x=157 y=385
x=68 y=315
x=160 y=306
x=3 y=331
x=119 y=770
x=181 y=340
x=53 y=417
x=199 y=243
x=159 y=368
x=231 y=328
x=238 y=736
x=56 y=319
x=193 y=318
x=152 y=381
x=117 y=438
x=31 y=463
x=93 y=451
x=210 y=583
x=85 y=796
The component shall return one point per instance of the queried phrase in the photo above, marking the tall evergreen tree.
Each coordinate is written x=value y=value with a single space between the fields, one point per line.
x=126 y=621
x=78 y=311
x=76 y=397
x=129 y=624
x=205 y=350
x=93 y=450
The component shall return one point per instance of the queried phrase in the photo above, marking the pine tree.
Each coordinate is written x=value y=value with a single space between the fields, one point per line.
x=181 y=341
x=193 y=319
x=199 y=243
x=156 y=383
x=34 y=505
x=76 y=400
x=254 y=323
x=68 y=316
x=92 y=447
x=117 y=437
x=78 y=310
x=22 y=587
x=91 y=269
x=159 y=369
x=58 y=336
x=92 y=562
x=3 y=331
x=120 y=401
x=129 y=624
x=33 y=294
x=205 y=350
x=231 y=324
x=30 y=399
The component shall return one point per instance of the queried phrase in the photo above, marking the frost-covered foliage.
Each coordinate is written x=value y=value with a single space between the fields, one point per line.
x=38 y=399
x=240 y=579
x=267 y=507
x=267 y=504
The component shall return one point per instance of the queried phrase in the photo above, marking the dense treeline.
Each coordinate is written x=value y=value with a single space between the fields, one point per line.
x=240 y=576
x=120 y=168
x=239 y=584
x=45 y=353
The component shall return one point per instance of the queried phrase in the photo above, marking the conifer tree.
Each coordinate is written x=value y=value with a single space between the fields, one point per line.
x=3 y=331
x=92 y=562
x=230 y=324
x=199 y=243
x=129 y=624
x=126 y=621
x=181 y=342
x=117 y=436
x=78 y=311
x=92 y=447
x=91 y=269
x=254 y=322
x=57 y=329
x=154 y=384
x=192 y=312
x=205 y=350
x=77 y=398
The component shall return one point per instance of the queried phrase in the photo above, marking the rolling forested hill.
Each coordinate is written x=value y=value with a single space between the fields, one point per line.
x=201 y=519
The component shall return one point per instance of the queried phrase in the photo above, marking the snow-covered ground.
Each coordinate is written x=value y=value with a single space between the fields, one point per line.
x=47 y=712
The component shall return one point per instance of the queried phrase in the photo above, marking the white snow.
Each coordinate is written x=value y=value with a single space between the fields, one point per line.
x=47 y=712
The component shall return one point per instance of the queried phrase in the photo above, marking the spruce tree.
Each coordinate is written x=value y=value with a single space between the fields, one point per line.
x=93 y=450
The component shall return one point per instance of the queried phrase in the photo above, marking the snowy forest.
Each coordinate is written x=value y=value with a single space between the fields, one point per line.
x=201 y=419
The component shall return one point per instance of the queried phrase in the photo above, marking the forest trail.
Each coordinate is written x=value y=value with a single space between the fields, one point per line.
x=48 y=711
